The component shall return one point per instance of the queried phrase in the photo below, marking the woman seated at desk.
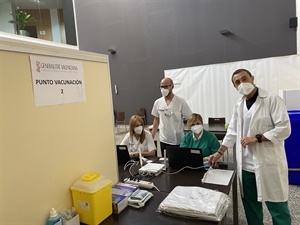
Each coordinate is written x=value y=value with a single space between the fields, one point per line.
x=197 y=137
x=139 y=138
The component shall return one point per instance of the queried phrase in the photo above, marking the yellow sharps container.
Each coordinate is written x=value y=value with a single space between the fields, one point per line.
x=92 y=198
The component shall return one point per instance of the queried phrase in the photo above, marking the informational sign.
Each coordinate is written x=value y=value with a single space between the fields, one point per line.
x=56 y=80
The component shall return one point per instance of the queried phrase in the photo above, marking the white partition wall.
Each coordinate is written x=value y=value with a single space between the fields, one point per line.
x=291 y=99
x=210 y=92
x=45 y=149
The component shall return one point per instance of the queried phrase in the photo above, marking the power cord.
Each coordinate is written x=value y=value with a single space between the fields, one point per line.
x=134 y=175
x=128 y=163
x=156 y=187
x=186 y=167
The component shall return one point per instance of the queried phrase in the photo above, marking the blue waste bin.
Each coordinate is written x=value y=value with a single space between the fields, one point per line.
x=292 y=148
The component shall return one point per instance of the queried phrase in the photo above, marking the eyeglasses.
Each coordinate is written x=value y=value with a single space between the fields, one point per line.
x=164 y=86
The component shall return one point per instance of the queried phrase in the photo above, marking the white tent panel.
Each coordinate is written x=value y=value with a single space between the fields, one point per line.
x=209 y=91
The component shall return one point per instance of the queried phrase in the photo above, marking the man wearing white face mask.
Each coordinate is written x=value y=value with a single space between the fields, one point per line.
x=138 y=139
x=168 y=112
x=259 y=126
x=200 y=138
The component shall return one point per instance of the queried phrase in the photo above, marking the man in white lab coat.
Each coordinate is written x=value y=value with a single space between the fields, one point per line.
x=259 y=126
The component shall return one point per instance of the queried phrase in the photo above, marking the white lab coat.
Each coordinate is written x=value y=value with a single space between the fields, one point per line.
x=271 y=119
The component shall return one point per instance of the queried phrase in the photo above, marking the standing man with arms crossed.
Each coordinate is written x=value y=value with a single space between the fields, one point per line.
x=259 y=126
x=168 y=112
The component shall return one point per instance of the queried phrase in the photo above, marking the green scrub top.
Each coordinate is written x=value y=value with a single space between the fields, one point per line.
x=208 y=142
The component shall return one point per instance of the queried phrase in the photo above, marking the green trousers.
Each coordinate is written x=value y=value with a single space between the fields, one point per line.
x=253 y=209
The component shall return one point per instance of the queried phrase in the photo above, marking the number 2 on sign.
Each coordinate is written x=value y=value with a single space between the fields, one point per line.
x=61 y=91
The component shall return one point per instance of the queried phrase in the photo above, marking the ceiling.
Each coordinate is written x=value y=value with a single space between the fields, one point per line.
x=36 y=4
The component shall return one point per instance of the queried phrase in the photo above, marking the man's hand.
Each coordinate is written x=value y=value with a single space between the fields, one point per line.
x=248 y=141
x=214 y=159
x=155 y=126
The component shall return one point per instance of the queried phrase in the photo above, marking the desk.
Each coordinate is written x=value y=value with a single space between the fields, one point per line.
x=148 y=215
x=220 y=132
x=165 y=183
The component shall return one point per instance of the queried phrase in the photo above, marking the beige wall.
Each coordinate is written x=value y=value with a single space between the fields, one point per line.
x=45 y=149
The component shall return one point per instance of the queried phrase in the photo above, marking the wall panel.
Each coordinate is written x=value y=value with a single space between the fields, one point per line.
x=45 y=149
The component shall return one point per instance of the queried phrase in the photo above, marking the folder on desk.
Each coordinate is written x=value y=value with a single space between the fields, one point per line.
x=217 y=176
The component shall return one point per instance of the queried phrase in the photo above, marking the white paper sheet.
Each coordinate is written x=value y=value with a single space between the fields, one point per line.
x=217 y=176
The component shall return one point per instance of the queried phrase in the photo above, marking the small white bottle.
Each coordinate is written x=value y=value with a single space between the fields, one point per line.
x=54 y=218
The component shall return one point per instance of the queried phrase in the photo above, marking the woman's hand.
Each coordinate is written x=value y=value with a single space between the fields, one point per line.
x=133 y=154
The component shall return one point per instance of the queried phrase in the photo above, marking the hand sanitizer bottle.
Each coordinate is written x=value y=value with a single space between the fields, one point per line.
x=54 y=218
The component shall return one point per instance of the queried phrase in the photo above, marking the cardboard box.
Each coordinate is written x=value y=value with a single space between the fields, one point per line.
x=120 y=195
x=73 y=221
x=119 y=203
x=124 y=189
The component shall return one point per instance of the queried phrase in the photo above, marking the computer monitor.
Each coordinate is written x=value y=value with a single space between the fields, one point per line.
x=123 y=154
x=180 y=157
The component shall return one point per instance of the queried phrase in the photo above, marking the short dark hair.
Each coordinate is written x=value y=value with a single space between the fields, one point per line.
x=238 y=71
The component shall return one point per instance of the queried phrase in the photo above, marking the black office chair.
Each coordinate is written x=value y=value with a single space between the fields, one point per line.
x=142 y=113
x=216 y=121
x=120 y=119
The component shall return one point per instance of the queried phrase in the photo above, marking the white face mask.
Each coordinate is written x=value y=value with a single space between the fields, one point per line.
x=197 y=129
x=245 y=88
x=138 y=129
x=164 y=92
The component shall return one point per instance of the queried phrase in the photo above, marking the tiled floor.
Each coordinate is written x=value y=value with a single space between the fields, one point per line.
x=294 y=194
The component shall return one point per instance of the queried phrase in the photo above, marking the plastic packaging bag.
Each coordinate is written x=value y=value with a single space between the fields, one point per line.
x=195 y=202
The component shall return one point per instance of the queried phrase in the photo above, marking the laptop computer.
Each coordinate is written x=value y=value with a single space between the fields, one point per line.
x=180 y=157
x=123 y=154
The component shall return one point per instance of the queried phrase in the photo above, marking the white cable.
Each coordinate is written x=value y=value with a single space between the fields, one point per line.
x=130 y=170
x=186 y=167
x=140 y=156
x=128 y=163
x=156 y=187
x=165 y=159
